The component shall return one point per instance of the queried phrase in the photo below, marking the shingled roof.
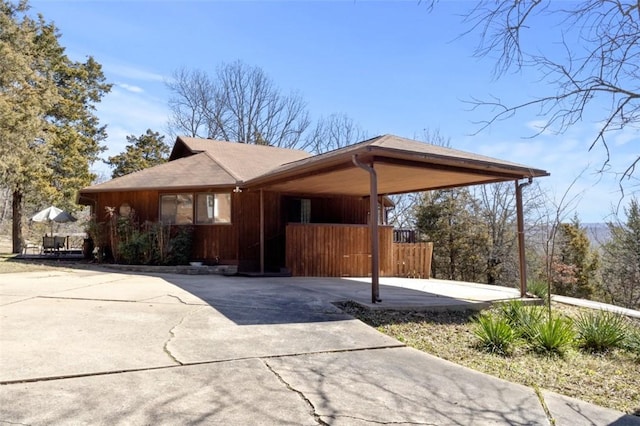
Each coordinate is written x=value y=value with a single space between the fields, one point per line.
x=204 y=163
x=403 y=165
x=241 y=160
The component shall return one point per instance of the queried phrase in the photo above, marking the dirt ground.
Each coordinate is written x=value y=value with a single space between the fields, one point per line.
x=5 y=244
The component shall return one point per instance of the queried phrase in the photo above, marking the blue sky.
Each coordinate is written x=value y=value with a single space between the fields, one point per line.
x=393 y=67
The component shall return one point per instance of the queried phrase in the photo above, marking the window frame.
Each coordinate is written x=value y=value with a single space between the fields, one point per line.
x=194 y=207
x=214 y=194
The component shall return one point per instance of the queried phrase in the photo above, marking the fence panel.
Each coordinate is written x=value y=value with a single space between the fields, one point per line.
x=412 y=260
x=335 y=250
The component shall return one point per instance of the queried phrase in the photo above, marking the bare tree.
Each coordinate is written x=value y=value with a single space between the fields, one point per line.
x=239 y=103
x=333 y=132
x=547 y=213
x=403 y=214
x=192 y=98
x=498 y=209
x=596 y=72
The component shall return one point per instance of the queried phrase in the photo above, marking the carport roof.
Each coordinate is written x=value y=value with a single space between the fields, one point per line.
x=402 y=165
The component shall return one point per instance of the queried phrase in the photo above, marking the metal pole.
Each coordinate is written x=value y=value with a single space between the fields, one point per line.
x=521 y=251
x=373 y=226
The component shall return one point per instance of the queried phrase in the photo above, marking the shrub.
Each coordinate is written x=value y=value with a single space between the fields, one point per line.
x=553 y=335
x=495 y=333
x=511 y=311
x=179 y=252
x=632 y=342
x=524 y=320
x=538 y=288
x=529 y=321
x=601 y=330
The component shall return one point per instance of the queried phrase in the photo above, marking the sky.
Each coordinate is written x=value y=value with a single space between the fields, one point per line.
x=393 y=67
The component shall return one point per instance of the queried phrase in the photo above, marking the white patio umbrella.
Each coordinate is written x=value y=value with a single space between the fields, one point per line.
x=53 y=214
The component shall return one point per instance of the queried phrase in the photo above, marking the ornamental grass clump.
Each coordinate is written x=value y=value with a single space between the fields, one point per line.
x=553 y=336
x=495 y=333
x=538 y=288
x=601 y=331
x=523 y=319
x=632 y=342
x=511 y=311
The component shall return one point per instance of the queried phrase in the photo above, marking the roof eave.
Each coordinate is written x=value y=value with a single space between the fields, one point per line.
x=368 y=153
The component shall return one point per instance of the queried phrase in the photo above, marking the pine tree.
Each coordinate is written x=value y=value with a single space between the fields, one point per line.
x=574 y=270
x=142 y=152
x=450 y=219
x=49 y=134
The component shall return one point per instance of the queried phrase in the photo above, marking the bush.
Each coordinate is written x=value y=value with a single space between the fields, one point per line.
x=529 y=321
x=632 y=342
x=511 y=311
x=524 y=320
x=495 y=333
x=179 y=252
x=538 y=288
x=554 y=335
x=600 y=331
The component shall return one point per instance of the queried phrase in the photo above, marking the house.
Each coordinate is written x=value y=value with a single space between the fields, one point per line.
x=265 y=208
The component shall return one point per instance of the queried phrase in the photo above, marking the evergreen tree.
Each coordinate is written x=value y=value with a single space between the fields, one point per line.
x=621 y=260
x=450 y=219
x=142 y=152
x=49 y=134
x=574 y=269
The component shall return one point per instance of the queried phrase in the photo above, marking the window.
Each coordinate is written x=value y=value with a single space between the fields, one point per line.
x=213 y=208
x=210 y=208
x=176 y=209
x=300 y=210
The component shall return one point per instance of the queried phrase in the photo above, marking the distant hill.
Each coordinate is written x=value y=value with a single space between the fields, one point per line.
x=598 y=233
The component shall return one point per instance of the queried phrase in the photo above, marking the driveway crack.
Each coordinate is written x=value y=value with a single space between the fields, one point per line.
x=314 y=413
x=172 y=336
x=547 y=412
x=178 y=298
x=383 y=423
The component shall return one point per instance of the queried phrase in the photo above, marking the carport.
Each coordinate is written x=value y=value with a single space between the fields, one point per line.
x=388 y=165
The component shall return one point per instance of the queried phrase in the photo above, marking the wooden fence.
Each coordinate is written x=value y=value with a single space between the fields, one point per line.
x=333 y=250
x=412 y=260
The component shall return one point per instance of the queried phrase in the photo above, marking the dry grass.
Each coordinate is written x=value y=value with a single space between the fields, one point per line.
x=611 y=380
x=9 y=264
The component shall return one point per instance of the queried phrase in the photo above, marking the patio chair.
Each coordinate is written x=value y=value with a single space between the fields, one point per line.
x=29 y=246
x=48 y=244
x=59 y=243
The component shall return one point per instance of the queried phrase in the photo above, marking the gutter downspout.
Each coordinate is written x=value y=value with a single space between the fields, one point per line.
x=521 y=253
x=373 y=225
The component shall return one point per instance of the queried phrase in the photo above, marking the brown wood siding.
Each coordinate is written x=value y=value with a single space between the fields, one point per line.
x=213 y=243
x=412 y=260
x=335 y=250
x=240 y=242
x=345 y=210
x=210 y=242
x=340 y=209
x=145 y=204
x=248 y=219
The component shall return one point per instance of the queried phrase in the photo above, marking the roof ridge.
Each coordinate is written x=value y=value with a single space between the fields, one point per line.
x=222 y=166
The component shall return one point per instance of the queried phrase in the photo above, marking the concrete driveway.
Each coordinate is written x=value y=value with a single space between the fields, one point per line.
x=99 y=347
